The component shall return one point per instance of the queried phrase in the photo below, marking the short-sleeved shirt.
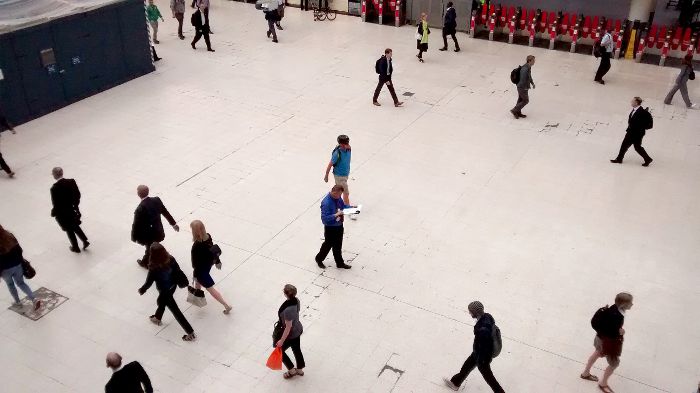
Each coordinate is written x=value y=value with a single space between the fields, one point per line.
x=291 y=313
x=341 y=160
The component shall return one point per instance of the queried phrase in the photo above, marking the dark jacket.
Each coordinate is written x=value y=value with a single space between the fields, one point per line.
x=12 y=258
x=384 y=63
x=525 y=77
x=65 y=197
x=450 y=24
x=613 y=322
x=202 y=257
x=483 y=338
x=132 y=378
x=165 y=279
x=147 y=227
x=196 y=20
x=638 y=123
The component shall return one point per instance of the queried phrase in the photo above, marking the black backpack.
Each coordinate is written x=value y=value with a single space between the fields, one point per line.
x=650 y=119
x=597 y=49
x=515 y=75
x=377 y=67
x=599 y=320
x=196 y=22
x=497 y=342
x=340 y=155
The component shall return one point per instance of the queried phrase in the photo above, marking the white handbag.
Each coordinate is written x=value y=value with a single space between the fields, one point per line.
x=419 y=36
x=196 y=297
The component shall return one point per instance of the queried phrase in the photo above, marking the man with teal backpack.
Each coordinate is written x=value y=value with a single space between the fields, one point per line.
x=487 y=345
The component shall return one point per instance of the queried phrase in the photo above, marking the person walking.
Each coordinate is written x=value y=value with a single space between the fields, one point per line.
x=203 y=258
x=131 y=378
x=272 y=17
x=638 y=122
x=608 y=322
x=65 y=198
x=332 y=217
x=166 y=273
x=523 y=87
x=482 y=353
x=148 y=227
x=280 y=13
x=201 y=27
x=384 y=69
x=288 y=315
x=449 y=27
x=178 y=9
x=203 y=5
x=606 y=50
x=422 y=36
x=153 y=14
x=687 y=73
x=11 y=269
x=340 y=162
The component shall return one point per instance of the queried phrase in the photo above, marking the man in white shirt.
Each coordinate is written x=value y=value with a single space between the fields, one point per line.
x=606 y=49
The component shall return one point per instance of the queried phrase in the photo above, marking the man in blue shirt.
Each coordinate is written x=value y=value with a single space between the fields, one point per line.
x=340 y=162
x=332 y=217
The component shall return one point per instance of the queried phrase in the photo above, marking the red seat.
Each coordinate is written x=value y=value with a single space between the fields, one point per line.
x=618 y=27
x=530 y=18
x=651 y=36
x=511 y=13
x=586 y=30
x=677 y=36
x=503 y=19
x=564 y=27
x=686 y=40
x=595 y=23
x=542 y=26
x=661 y=38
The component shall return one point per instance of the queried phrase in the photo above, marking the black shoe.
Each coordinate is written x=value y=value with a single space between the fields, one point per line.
x=443 y=49
x=321 y=265
x=343 y=266
x=86 y=244
x=521 y=115
x=182 y=37
x=275 y=41
x=646 y=163
x=616 y=161
x=457 y=50
x=193 y=47
x=515 y=114
x=602 y=82
x=269 y=33
x=74 y=249
x=157 y=59
x=210 y=50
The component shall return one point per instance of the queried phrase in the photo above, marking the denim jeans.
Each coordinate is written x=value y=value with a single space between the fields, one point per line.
x=14 y=276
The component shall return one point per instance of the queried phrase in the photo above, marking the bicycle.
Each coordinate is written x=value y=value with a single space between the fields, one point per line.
x=321 y=13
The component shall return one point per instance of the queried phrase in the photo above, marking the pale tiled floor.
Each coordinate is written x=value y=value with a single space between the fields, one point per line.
x=462 y=202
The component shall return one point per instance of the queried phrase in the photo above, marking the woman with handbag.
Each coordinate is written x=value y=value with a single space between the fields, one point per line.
x=288 y=332
x=422 y=36
x=11 y=261
x=166 y=273
x=204 y=256
x=681 y=84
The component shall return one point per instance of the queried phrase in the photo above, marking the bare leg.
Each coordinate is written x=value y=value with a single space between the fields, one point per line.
x=346 y=198
x=591 y=360
x=216 y=295
x=606 y=375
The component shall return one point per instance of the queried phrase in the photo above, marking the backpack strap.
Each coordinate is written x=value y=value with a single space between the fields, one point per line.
x=337 y=149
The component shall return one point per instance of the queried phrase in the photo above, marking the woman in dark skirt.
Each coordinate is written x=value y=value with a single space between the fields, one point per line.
x=203 y=258
x=422 y=36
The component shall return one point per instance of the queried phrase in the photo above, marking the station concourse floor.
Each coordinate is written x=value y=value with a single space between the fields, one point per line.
x=461 y=202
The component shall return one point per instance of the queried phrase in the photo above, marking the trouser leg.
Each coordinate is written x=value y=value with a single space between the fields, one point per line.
x=7 y=276
x=177 y=313
x=80 y=233
x=640 y=150
x=326 y=246
x=207 y=41
x=6 y=168
x=197 y=36
x=338 y=246
x=376 y=92
x=444 y=38
x=671 y=93
x=390 y=86
x=467 y=367
x=684 y=94
x=271 y=29
x=626 y=143
x=523 y=99
x=454 y=38
x=180 y=18
x=604 y=66
x=146 y=255
x=485 y=370
x=71 y=237
x=154 y=27
x=298 y=356
x=4 y=123
x=153 y=52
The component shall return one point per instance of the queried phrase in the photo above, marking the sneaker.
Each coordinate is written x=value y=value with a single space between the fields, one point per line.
x=375 y=103
x=515 y=114
x=443 y=49
x=398 y=104
x=155 y=320
x=275 y=41
x=450 y=385
x=210 y=50
x=693 y=106
x=269 y=33
x=344 y=266
x=74 y=249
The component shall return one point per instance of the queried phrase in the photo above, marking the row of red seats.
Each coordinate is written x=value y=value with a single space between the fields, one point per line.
x=678 y=38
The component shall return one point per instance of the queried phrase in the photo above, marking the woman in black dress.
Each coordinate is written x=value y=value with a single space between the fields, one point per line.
x=203 y=258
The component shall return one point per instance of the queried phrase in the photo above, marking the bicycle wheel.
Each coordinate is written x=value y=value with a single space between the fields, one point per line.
x=321 y=15
x=330 y=14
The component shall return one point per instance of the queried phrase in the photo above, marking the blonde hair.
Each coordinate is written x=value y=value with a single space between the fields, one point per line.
x=199 y=233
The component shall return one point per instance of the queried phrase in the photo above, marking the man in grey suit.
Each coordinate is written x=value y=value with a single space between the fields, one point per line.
x=523 y=87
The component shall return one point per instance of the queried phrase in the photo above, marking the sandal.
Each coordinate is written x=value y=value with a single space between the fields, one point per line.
x=289 y=374
x=300 y=372
x=227 y=310
x=189 y=337
x=606 y=389
x=589 y=377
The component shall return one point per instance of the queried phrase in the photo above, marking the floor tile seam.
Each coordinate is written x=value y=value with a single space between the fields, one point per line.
x=393 y=298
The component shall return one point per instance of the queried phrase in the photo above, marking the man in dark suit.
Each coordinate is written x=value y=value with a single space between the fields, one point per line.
x=449 y=27
x=131 y=378
x=638 y=122
x=65 y=197
x=148 y=227
x=385 y=69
